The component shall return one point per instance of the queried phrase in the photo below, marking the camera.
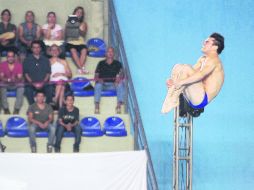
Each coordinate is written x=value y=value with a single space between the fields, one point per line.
x=72 y=19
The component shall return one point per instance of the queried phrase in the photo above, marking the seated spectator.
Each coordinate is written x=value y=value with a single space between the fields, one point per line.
x=37 y=70
x=53 y=34
x=60 y=72
x=109 y=75
x=11 y=75
x=40 y=117
x=68 y=120
x=75 y=32
x=28 y=31
x=7 y=32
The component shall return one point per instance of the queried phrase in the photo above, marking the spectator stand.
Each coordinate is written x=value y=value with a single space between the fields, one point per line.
x=96 y=12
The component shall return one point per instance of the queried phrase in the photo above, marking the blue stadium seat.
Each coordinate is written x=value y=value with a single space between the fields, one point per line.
x=1 y=129
x=11 y=93
x=78 y=87
x=114 y=126
x=96 y=47
x=16 y=127
x=91 y=127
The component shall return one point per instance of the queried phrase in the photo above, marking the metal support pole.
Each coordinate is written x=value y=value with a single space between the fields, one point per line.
x=182 y=152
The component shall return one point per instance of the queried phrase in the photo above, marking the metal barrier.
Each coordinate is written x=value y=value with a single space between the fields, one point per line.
x=140 y=142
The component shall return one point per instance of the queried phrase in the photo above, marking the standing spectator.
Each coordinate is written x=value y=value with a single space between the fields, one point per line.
x=28 y=31
x=40 y=117
x=36 y=69
x=75 y=32
x=7 y=32
x=11 y=75
x=53 y=34
x=60 y=72
x=68 y=120
x=109 y=75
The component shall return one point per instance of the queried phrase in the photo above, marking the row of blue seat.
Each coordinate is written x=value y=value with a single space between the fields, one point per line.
x=96 y=48
x=78 y=87
x=113 y=126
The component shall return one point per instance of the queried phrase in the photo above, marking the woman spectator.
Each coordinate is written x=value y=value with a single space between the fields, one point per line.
x=76 y=44
x=7 y=32
x=53 y=33
x=28 y=31
x=60 y=72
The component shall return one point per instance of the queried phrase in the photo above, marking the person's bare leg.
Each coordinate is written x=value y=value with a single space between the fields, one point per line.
x=75 y=57
x=57 y=93
x=61 y=96
x=194 y=92
x=172 y=97
x=83 y=55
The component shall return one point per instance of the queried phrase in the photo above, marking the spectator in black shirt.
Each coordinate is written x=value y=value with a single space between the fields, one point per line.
x=37 y=70
x=68 y=120
x=109 y=75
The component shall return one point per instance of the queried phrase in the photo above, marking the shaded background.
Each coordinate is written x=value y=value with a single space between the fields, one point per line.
x=158 y=34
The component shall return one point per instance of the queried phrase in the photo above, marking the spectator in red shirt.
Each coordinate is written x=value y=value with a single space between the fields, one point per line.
x=11 y=75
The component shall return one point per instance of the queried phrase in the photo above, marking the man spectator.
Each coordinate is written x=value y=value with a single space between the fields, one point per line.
x=37 y=71
x=40 y=117
x=108 y=76
x=68 y=120
x=11 y=75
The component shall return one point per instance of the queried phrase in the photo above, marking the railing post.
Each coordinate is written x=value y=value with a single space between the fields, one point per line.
x=136 y=131
x=140 y=141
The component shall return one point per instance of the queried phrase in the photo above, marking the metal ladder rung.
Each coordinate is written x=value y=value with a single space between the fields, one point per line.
x=184 y=125
x=183 y=148
x=184 y=158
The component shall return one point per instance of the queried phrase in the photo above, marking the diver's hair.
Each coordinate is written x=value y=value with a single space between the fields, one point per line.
x=218 y=41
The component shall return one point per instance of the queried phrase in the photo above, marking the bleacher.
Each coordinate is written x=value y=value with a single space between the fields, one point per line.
x=96 y=18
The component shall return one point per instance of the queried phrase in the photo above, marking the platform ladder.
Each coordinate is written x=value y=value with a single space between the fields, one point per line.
x=182 y=155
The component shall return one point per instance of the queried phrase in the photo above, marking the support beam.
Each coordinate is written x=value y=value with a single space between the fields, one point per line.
x=182 y=155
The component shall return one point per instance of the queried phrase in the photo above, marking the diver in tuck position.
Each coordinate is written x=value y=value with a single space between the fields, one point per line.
x=201 y=83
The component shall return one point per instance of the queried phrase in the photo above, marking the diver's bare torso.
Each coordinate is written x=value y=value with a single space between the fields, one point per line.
x=213 y=81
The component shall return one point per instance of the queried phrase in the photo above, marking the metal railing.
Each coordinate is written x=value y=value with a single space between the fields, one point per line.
x=140 y=142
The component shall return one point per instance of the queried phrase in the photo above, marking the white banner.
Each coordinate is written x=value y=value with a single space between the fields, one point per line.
x=88 y=171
